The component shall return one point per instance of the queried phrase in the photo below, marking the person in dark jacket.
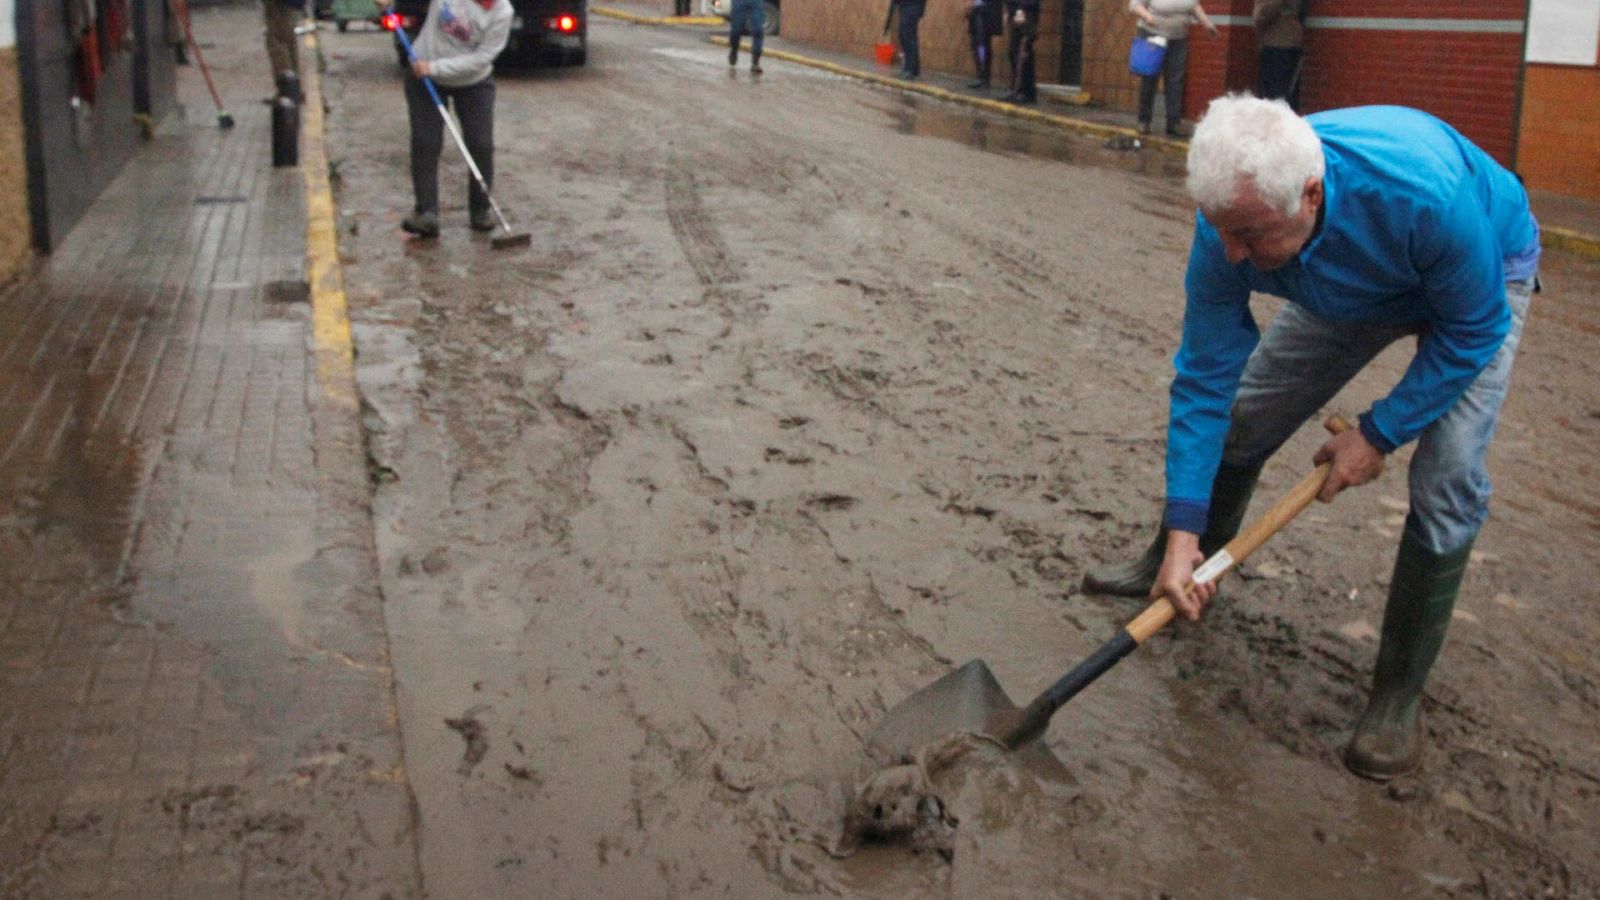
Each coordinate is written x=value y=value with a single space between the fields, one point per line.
x=1280 y=38
x=1024 y=18
x=985 y=19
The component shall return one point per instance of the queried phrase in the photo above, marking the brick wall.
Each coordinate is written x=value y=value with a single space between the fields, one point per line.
x=853 y=26
x=1559 y=148
x=15 y=247
x=1469 y=78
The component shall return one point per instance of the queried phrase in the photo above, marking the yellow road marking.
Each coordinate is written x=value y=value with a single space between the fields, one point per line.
x=330 y=316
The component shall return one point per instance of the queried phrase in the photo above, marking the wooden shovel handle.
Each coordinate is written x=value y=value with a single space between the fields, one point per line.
x=1158 y=614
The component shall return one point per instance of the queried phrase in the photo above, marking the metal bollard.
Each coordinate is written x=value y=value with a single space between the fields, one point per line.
x=286 y=121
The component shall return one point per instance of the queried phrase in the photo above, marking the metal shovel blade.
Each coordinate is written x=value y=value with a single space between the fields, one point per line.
x=961 y=701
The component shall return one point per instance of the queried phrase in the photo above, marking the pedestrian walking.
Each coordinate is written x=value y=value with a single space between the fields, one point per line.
x=1280 y=39
x=748 y=17
x=1024 y=18
x=1168 y=19
x=280 y=18
x=911 y=12
x=456 y=48
x=984 y=21
x=1377 y=224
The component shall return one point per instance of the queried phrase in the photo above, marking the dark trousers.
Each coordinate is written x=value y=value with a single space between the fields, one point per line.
x=474 y=108
x=1173 y=65
x=680 y=7
x=910 y=17
x=1279 y=74
x=1020 y=52
x=978 y=34
x=747 y=17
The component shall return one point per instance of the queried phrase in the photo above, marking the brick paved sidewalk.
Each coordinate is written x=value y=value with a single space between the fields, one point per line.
x=195 y=694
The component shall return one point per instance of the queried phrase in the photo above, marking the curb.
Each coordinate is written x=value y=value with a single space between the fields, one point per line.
x=1577 y=243
x=1094 y=129
x=637 y=19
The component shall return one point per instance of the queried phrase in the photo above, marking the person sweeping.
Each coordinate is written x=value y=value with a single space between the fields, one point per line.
x=1377 y=224
x=456 y=48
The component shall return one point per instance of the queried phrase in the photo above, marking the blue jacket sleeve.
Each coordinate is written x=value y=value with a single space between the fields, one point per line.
x=1218 y=335
x=1458 y=255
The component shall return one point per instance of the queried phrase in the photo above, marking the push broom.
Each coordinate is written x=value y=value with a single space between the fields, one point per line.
x=507 y=237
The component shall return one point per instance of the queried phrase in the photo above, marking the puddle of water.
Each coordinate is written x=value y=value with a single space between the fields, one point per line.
x=985 y=131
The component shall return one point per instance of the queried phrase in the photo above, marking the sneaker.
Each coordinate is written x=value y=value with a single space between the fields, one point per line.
x=422 y=224
x=755 y=68
x=480 y=220
x=1177 y=131
x=733 y=55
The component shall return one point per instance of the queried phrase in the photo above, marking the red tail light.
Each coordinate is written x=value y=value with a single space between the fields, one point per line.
x=391 y=21
x=566 y=23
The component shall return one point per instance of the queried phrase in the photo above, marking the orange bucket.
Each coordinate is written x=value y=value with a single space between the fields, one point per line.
x=884 y=51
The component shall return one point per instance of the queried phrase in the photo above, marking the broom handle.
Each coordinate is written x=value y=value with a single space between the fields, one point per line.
x=450 y=124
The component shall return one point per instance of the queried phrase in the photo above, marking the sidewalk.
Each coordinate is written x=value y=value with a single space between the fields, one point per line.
x=195 y=694
x=1568 y=223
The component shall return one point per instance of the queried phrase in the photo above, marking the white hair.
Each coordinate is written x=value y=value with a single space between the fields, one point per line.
x=1245 y=140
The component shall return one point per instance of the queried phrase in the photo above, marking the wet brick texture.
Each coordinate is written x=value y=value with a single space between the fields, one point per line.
x=195 y=695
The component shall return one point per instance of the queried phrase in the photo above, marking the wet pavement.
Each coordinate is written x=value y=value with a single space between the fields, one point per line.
x=632 y=534
x=1572 y=224
x=195 y=697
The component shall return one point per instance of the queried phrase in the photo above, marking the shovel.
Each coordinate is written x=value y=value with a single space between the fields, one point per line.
x=970 y=700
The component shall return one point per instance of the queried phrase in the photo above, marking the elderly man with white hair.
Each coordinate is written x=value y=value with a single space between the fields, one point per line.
x=1376 y=224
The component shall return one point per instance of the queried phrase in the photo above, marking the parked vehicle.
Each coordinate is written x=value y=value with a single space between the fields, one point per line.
x=724 y=8
x=541 y=30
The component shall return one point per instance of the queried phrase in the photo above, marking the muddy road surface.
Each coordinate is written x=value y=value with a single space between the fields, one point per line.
x=808 y=391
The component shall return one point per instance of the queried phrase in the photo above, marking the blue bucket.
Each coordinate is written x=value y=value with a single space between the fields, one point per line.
x=1146 y=55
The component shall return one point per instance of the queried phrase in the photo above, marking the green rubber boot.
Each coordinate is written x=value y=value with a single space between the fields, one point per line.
x=1388 y=740
x=1230 y=496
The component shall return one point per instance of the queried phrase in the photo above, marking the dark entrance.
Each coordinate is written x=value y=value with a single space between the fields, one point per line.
x=1071 y=42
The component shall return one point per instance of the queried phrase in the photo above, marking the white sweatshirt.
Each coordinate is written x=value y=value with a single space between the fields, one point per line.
x=460 y=39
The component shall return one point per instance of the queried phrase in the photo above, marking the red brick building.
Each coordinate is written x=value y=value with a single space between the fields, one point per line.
x=1463 y=60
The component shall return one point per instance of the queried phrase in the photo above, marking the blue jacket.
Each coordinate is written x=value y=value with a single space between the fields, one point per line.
x=1419 y=226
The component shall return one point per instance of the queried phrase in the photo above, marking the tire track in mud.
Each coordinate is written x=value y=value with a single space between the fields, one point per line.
x=702 y=244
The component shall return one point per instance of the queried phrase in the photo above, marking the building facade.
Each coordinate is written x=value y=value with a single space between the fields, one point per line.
x=89 y=80
x=1471 y=62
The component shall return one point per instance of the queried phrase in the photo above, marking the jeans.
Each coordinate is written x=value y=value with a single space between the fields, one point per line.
x=978 y=36
x=910 y=17
x=474 y=106
x=749 y=17
x=1302 y=361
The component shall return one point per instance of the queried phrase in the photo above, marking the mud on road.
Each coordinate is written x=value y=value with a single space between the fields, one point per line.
x=807 y=392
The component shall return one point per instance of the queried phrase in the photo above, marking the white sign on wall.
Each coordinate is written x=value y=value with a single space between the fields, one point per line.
x=8 y=24
x=1564 y=31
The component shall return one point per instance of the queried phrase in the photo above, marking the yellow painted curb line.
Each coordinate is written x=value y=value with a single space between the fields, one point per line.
x=330 y=317
x=612 y=13
x=995 y=106
x=1583 y=245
